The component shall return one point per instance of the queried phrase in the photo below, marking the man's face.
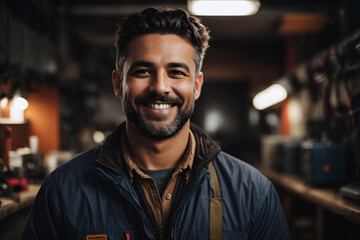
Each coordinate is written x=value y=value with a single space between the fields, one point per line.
x=158 y=87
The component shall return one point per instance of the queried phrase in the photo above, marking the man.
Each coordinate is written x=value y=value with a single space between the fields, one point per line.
x=151 y=178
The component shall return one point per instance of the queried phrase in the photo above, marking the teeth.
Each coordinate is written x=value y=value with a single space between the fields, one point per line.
x=160 y=106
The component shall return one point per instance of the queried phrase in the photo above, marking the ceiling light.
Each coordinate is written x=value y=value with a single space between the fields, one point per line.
x=270 y=96
x=20 y=103
x=4 y=102
x=17 y=107
x=223 y=8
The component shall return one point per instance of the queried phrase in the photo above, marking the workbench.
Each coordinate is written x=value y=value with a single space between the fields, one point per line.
x=9 y=206
x=333 y=215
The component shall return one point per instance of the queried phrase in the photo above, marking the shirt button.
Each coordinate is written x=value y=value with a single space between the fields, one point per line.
x=168 y=196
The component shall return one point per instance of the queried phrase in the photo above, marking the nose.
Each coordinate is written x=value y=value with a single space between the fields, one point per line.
x=160 y=84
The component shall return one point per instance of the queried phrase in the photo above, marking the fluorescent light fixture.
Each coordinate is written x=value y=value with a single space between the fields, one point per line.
x=270 y=96
x=223 y=8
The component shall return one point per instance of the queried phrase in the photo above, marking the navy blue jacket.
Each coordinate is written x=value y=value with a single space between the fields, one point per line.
x=92 y=194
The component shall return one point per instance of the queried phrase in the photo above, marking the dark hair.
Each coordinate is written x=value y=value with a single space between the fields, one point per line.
x=162 y=21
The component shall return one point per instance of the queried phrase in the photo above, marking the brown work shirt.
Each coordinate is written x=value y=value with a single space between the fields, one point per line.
x=160 y=205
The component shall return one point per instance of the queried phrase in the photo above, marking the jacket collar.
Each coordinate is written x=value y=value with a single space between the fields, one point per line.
x=206 y=148
x=111 y=157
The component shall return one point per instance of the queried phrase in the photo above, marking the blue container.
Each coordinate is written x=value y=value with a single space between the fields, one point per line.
x=323 y=163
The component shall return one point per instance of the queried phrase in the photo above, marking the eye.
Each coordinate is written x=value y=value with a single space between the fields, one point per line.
x=177 y=73
x=141 y=72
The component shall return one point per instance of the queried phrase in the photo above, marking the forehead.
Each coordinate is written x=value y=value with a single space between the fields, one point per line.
x=161 y=48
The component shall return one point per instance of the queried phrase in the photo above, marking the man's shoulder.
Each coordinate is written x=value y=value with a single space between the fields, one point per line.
x=239 y=172
x=80 y=164
x=230 y=161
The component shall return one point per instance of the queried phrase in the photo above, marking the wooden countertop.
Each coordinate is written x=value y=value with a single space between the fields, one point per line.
x=328 y=198
x=9 y=206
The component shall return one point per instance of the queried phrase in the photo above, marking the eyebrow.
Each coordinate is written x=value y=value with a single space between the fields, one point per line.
x=179 y=64
x=140 y=64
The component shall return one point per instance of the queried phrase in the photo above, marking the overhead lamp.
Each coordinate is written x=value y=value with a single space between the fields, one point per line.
x=4 y=102
x=274 y=94
x=270 y=96
x=20 y=103
x=223 y=8
x=17 y=107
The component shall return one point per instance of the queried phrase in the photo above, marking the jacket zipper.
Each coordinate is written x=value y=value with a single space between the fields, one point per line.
x=179 y=207
x=129 y=199
x=135 y=205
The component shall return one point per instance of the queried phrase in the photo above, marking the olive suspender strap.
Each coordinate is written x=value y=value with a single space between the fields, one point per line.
x=215 y=207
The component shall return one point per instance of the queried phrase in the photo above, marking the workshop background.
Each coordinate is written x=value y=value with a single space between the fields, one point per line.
x=281 y=92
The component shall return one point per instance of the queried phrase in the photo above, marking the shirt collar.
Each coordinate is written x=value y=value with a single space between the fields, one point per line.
x=185 y=163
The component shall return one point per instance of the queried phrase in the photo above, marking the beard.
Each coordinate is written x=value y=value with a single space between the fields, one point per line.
x=146 y=128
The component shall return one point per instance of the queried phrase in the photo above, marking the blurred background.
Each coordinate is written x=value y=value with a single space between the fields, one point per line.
x=281 y=90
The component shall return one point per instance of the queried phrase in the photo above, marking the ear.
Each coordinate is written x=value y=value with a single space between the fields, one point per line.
x=117 y=83
x=198 y=85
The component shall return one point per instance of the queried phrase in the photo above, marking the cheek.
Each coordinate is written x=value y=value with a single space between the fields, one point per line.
x=132 y=89
x=127 y=99
x=185 y=90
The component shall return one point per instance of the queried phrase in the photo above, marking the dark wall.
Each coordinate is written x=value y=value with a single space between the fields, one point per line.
x=222 y=111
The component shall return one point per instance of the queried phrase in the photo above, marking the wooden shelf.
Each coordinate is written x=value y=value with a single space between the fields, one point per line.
x=328 y=198
x=9 y=206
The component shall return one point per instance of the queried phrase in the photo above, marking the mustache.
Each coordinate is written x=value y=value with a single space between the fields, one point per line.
x=153 y=97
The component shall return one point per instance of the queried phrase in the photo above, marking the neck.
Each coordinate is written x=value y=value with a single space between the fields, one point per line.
x=157 y=154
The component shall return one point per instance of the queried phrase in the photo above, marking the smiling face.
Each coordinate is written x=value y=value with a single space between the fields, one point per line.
x=158 y=87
